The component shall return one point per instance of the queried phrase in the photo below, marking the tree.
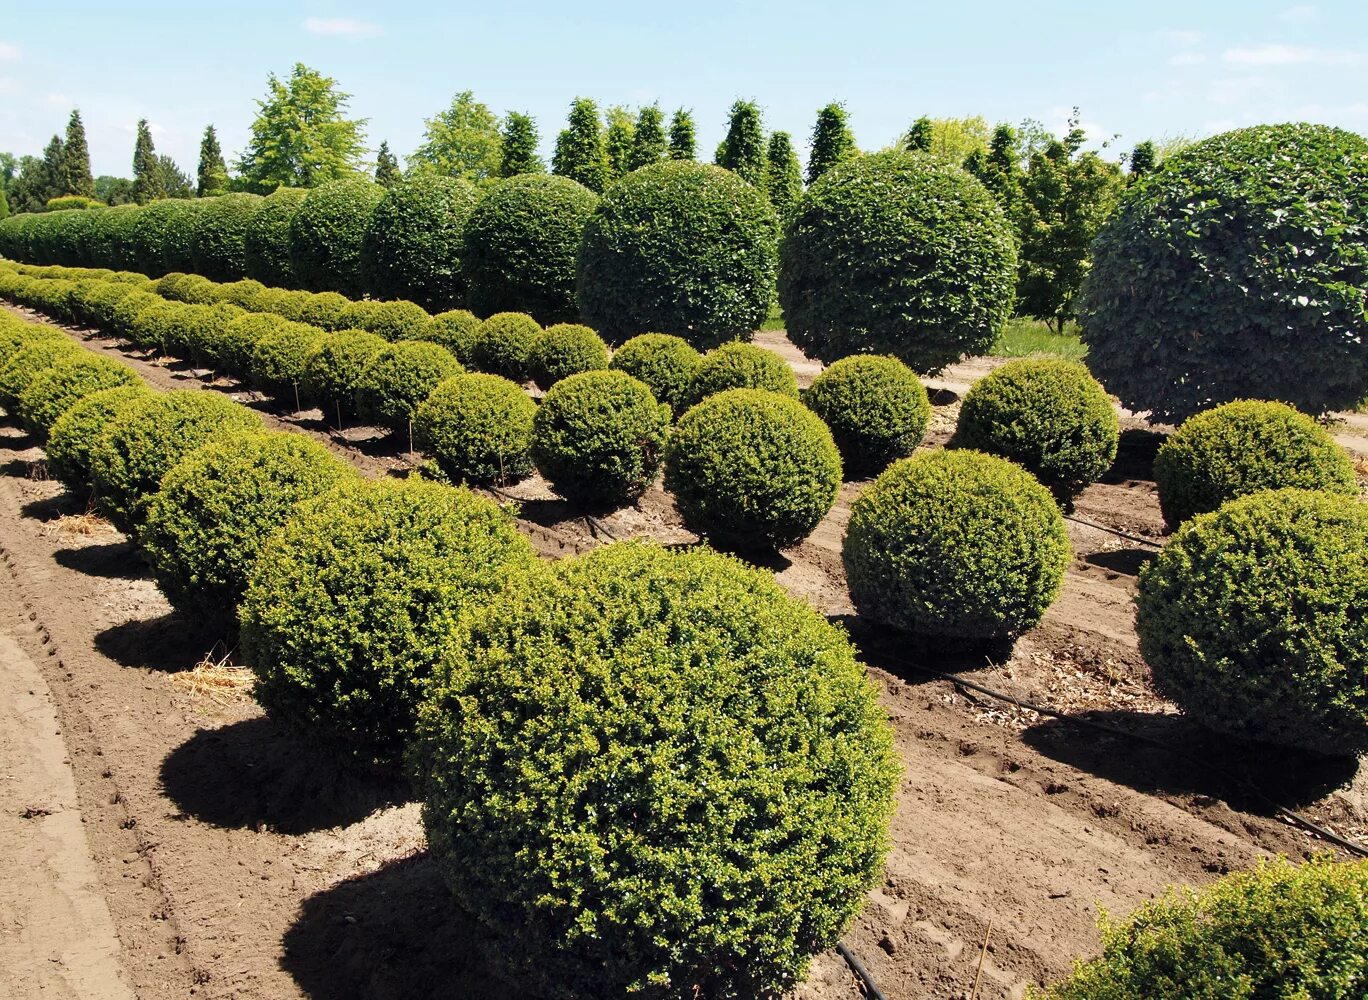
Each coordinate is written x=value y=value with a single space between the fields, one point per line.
x=918 y=138
x=54 y=168
x=76 y=176
x=518 y=153
x=301 y=136
x=4 y=205
x=648 y=139
x=387 y=172
x=580 y=153
x=832 y=141
x=999 y=168
x=147 y=178
x=9 y=168
x=783 y=183
x=683 y=144
x=113 y=190
x=31 y=187
x=743 y=149
x=462 y=141
x=617 y=140
x=1143 y=159
x=212 y=175
x=175 y=181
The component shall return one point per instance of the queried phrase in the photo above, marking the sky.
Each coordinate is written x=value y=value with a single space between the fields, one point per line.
x=1136 y=71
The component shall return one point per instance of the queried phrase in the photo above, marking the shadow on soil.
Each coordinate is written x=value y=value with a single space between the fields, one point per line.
x=1134 y=456
x=1128 y=562
x=114 y=560
x=62 y=505
x=904 y=656
x=170 y=643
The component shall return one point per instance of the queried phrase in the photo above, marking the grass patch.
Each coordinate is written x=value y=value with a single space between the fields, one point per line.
x=775 y=319
x=1024 y=338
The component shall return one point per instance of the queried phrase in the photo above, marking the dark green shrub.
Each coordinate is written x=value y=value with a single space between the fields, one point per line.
x=349 y=608
x=391 y=320
x=32 y=360
x=666 y=364
x=1047 y=415
x=876 y=408
x=245 y=293
x=321 y=309
x=1257 y=239
x=109 y=239
x=412 y=246
x=218 y=246
x=1252 y=620
x=741 y=366
x=478 y=428
x=336 y=368
x=684 y=709
x=76 y=432
x=454 y=330
x=64 y=382
x=162 y=237
x=566 y=349
x=279 y=357
x=400 y=377
x=521 y=244
x=897 y=253
x=326 y=233
x=681 y=248
x=502 y=345
x=266 y=242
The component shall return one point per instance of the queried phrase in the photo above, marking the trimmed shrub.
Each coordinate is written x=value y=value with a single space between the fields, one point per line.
x=400 y=377
x=684 y=709
x=521 y=243
x=97 y=305
x=321 y=309
x=391 y=320
x=230 y=349
x=876 y=408
x=48 y=396
x=163 y=235
x=741 y=366
x=412 y=245
x=123 y=321
x=478 y=428
x=266 y=241
x=956 y=545
x=109 y=239
x=1257 y=239
x=666 y=364
x=454 y=330
x=279 y=357
x=897 y=253
x=75 y=433
x=350 y=606
x=335 y=369
x=1047 y=415
x=218 y=245
x=150 y=327
x=1252 y=621
x=30 y=362
x=326 y=233
x=502 y=345
x=682 y=248
x=245 y=293
x=193 y=331
x=566 y=349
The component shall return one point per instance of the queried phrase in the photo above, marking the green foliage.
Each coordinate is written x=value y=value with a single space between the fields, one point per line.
x=266 y=243
x=832 y=141
x=1252 y=621
x=77 y=431
x=30 y=361
x=617 y=141
x=894 y=253
x=648 y=138
x=335 y=370
x=229 y=348
x=412 y=246
x=326 y=233
x=918 y=138
x=1243 y=447
x=279 y=356
x=580 y=154
x=683 y=144
x=191 y=332
x=148 y=183
x=300 y=136
x=400 y=377
x=392 y=320
x=245 y=293
x=956 y=545
x=752 y=470
x=175 y=181
x=114 y=190
x=478 y=428
x=65 y=382
x=783 y=183
x=218 y=243
x=876 y=408
x=741 y=366
x=320 y=309
x=1143 y=159
x=613 y=701
x=563 y=350
x=454 y=330
x=76 y=177
x=462 y=141
x=387 y=172
x=163 y=237
x=124 y=321
x=502 y=345
x=666 y=365
x=211 y=175
x=518 y=146
x=998 y=168
x=1256 y=239
x=742 y=150
x=68 y=201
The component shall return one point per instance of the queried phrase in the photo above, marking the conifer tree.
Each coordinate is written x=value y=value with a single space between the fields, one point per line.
x=783 y=183
x=579 y=147
x=76 y=176
x=998 y=168
x=617 y=140
x=1143 y=159
x=53 y=174
x=386 y=166
x=919 y=136
x=212 y=176
x=683 y=143
x=743 y=149
x=832 y=141
x=648 y=140
x=519 y=146
x=147 y=175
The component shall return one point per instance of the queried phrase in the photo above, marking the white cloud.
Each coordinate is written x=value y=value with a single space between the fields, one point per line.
x=1301 y=13
x=8 y=87
x=347 y=27
x=1187 y=59
x=1274 y=54
x=1178 y=36
x=8 y=51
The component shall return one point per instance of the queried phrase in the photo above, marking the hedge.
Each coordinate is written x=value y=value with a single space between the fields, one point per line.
x=478 y=429
x=266 y=243
x=326 y=232
x=218 y=244
x=32 y=360
x=413 y=244
x=162 y=238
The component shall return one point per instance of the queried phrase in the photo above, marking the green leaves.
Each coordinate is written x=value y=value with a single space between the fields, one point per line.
x=300 y=137
x=876 y=408
x=462 y=141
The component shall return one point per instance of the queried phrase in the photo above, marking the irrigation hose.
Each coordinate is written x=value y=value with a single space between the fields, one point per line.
x=857 y=967
x=1113 y=531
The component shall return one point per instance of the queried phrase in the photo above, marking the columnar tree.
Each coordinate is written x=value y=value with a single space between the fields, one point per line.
x=519 y=146
x=1144 y=158
x=76 y=175
x=387 y=171
x=462 y=141
x=580 y=153
x=212 y=175
x=301 y=136
x=783 y=183
x=683 y=143
x=999 y=168
x=54 y=168
x=617 y=140
x=648 y=138
x=832 y=141
x=918 y=137
x=147 y=176
x=743 y=149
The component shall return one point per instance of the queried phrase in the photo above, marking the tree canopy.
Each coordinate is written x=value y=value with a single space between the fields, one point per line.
x=301 y=136
x=462 y=141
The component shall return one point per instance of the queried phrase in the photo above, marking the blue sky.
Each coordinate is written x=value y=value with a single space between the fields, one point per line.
x=1142 y=70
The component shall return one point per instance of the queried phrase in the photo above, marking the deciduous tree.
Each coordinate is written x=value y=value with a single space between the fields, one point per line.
x=462 y=141
x=212 y=175
x=648 y=139
x=743 y=148
x=683 y=143
x=301 y=136
x=580 y=152
x=519 y=146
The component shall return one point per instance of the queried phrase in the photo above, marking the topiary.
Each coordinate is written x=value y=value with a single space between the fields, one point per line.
x=566 y=349
x=454 y=330
x=218 y=244
x=684 y=714
x=521 y=243
x=665 y=363
x=98 y=303
x=326 y=233
x=245 y=293
x=741 y=366
x=956 y=545
x=191 y=331
x=876 y=408
x=681 y=248
x=478 y=428
x=324 y=310
x=279 y=357
x=218 y=505
x=109 y=241
x=230 y=348
x=266 y=241
x=400 y=377
x=502 y=345
x=391 y=320
x=336 y=367
x=161 y=238
x=123 y=321
x=1252 y=621
x=48 y=396
x=413 y=244
x=897 y=253
x=1237 y=269
x=76 y=432
x=1049 y=416
x=31 y=361
x=350 y=606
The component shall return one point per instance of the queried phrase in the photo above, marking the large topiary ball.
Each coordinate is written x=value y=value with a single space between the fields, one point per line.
x=32 y=360
x=682 y=248
x=163 y=236
x=666 y=364
x=266 y=242
x=566 y=349
x=218 y=245
x=521 y=244
x=957 y=545
x=279 y=357
x=599 y=437
x=1238 y=269
x=109 y=241
x=752 y=469
x=1047 y=415
x=897 y=253
x=397 y=320
x=351 y=605
x=1243 y=447
x=741 y=366
x=77 y=431
x=454 y=330
x=326 y=233
x=217 y=506
x=1252 y=620
x=478 y=428
x=400 y=377
x=336 y=368
x=876 y=408
x=49 y=395
x=672 y=714
x=413 y=245
x=502 y=345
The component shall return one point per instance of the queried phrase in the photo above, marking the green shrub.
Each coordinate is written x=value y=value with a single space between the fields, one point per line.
x=400 y=377
x=193 y=331
x=454 y=330
x=123 y=321
x=521 y=244
x=897 y=253
x=168 y=286
x=326 y=233
x=335 y=369
x=349 y=608
x=75 y=433
x=48 y=396
x=391 y=320
x=876 y=408
x=681 y=248
x=324 y=310
x=96 y=306
x=502 y=345
x=196 y=289
x=1047 y=415
x=73 y=201
x=218 y=246
x=109 y=241
x=245 y=293
x=228 y=348
x=150 y=326
x=566 y=349
x=478 y=428
x=1256 y=239
x=683 y=713
x=741 y=366
x=162 y=237
x=1252 y=620
x=266 y=241
x=665 y=363
x=413 y=244
x=30 y=362
x=279 y=357
x=956 y=544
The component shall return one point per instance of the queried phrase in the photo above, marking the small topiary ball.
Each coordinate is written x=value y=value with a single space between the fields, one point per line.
x=29 y=363
x=151 y=327
x=956 y=545
x=666 y=364
x=1252 y=619
x=49 y=395
x=351 y=605
x=478 y=428
x=321 y=309
x=876 y=408
x=218 y=244
x=77 y=431
x=336 y=368
x=1049 y=416
x=566 y=349
x=229 y=348
x=218 y=505
x=279 y=357
x=392 y=320
x=245 y=293
x=752 y=470
x=326 y=233
x=266 y=241
x=454 y=330
x=598 y=438
x=400 y=377
x=191 y=332
x=124 y=319
x=741 y=366
x=413 y=245
x=503 y=345
x=682 y=708
x=1243 y=447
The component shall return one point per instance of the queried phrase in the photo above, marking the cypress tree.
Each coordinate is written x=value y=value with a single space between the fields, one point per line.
x=212 y=176
x=147 y=176
x=743 y=149
x=1143 y=159
x=918 y=137
x=579 y=147
x=386 y=166
x=783 y=183
x=832 y=141
x=519 y=147
x=76 y=175
x=617 y=140
x=53 y=180
x=648 y=141
x=683 y=144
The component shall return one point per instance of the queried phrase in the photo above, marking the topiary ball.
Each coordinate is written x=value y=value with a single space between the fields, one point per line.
x=124 y=319
x=266 y=242
x=502 y=345
x=1252 y=620
x=1243 y=447
x=33 y=360
x=391 y=320
x=326 y=233
x=229 y=348
x=191 y=332
x=752 y=470
x=681 y=248
x=413 y=245
x=77 y=431
x=478 y=428
x=218 y=244
x=163 y=234
x=1238 y=269
x=685 y=714
x=245 y=293
x=350 y=606
x=876 y=408
x=324 y=310
x=956 y=545
x=279 y=357
x=598 y=438
x=666 y=364
x=897 y=253
x=454 y=330
x=741 y=366
x=399 y=378
x=335 y=370
x=49 y=395
x=1047 y=415
x=563 y=350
